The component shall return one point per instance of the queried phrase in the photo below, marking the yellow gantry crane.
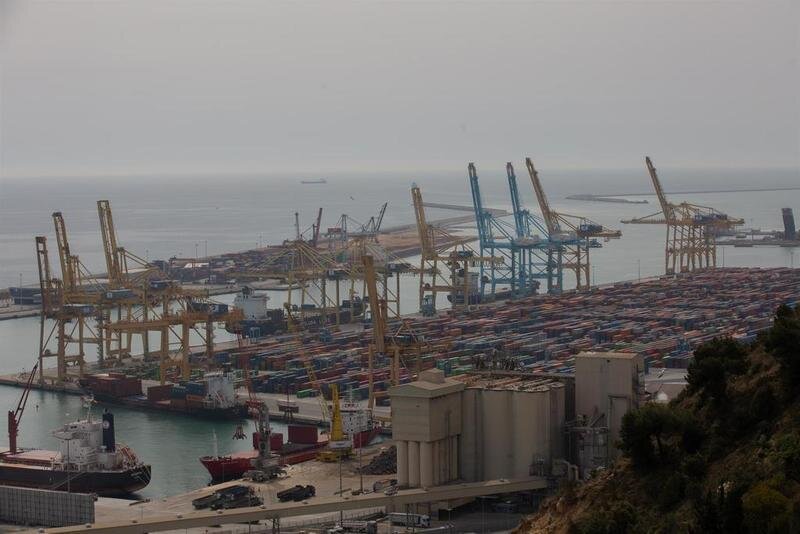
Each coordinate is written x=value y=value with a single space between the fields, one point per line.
x=147 y=303
x=70 y=302
x=443 y=269
x=574 y=234
x=691 y=230
x=403 y=340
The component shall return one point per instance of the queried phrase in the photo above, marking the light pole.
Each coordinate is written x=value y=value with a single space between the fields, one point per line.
x=341 y=494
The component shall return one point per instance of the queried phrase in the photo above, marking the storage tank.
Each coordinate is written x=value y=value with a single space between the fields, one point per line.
x=525 y=428
x=541 y=431
x=496 y=433
x=468 y=446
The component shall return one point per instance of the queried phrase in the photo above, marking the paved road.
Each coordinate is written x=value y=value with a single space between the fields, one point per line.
x=314 y=506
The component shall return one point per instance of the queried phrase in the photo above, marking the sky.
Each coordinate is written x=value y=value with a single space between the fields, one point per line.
x=109 y=88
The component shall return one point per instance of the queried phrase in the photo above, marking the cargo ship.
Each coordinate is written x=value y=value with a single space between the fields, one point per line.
x=358 y=423
x=257 y=319
x=319 y=181
x=212 y=397
x=304 y=442
x=89 y=459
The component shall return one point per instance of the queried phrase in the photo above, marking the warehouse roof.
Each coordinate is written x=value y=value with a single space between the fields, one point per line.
x=432 y=383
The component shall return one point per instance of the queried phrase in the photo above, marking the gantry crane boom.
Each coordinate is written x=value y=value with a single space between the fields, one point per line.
x=379 y=221
x=64 y=255
x=544 y=205
x=666 y=207
x=375 y=305
x=424 y=230
x=315 y=239
x=110 y=248
x=516 y=202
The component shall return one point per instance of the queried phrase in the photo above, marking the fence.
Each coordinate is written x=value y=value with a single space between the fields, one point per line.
x=26 y=506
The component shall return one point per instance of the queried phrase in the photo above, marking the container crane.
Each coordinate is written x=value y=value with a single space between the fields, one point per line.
x=544 y=255
x=70 y=303
x=573 y=234
x=443 y=269
x=691 y=230
x=146 y=302
x=403 y=339
x=524 y=259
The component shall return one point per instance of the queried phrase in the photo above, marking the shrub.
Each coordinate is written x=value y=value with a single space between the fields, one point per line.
x=766 y=510
x=619 y=518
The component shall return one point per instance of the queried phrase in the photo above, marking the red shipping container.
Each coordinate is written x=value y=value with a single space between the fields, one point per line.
x=276 y=441
x=302 y=434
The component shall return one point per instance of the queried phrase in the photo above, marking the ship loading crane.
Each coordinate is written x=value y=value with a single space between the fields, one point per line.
x=443 y=269
x=146 y=303
x=14 y=417
x=524 y=261
x=70 y=303
x=575 y=235
x=403 y=340
x=691 y=230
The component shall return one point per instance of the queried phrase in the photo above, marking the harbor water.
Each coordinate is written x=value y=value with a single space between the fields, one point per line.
x=192 y=216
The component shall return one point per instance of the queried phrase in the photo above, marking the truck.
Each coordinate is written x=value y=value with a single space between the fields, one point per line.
x=297 y=493
x=363 y=527
x=410 y=520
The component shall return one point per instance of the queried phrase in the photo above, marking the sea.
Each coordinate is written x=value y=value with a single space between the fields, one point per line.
x=158 y=217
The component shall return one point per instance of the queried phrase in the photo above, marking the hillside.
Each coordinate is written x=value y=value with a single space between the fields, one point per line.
x=724 y=457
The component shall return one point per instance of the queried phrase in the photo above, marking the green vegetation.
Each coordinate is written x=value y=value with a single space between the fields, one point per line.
x=724 y=457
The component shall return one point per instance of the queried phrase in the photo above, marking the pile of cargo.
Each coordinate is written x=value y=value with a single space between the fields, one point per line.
x=662 y=319
x=385 y=463
x=112 y=385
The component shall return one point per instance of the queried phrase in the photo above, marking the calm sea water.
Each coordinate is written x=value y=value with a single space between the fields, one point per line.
x=159 y=218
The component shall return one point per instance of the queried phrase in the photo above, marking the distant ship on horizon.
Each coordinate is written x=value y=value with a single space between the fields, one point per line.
x=320 y=181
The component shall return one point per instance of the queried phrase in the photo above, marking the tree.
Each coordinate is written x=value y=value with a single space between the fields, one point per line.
x=783 y=341
x=714 y=362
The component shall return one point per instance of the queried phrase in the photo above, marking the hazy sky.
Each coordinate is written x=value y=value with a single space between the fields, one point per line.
x=122 y=87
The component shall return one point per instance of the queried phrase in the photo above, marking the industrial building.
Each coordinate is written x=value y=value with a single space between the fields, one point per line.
x=789 y=229
x=512 y=425
x=607 y=386
x=476 y=429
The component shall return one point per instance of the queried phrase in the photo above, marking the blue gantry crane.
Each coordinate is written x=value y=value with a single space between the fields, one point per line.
x=527 y=259
x=544 y=255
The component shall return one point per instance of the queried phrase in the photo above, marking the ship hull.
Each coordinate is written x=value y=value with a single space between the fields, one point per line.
x=104 y=483
x=225 y=468
x=235 y=412
x=362 y=439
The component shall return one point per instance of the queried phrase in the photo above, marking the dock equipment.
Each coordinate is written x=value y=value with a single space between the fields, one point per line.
x=146 y=302
x=572 y=235
x=527 y=259
x=444 y=269
x=691 y=230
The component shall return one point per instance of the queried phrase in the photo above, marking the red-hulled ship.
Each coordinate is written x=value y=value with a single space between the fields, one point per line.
x=303 y=445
